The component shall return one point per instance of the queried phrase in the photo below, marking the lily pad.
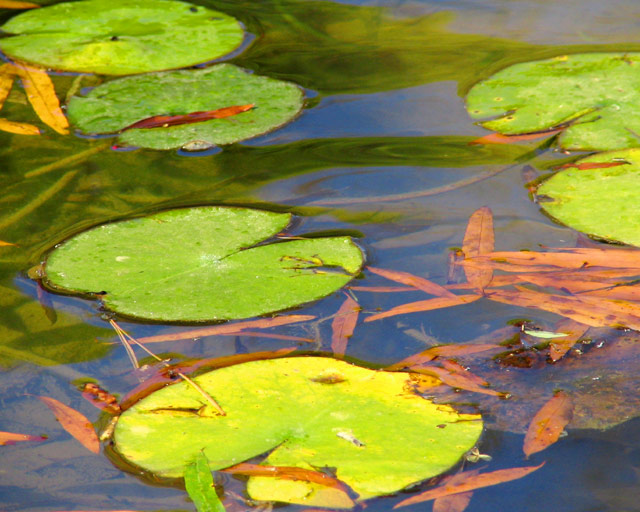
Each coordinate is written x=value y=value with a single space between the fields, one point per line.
x=201 y=264
x=118 y=37
x=598 y=200
x=598 y=93
x=118 y=104
x=312 y=412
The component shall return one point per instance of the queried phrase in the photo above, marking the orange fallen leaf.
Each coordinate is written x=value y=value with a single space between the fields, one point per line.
x=557 y=280
x=584 y=166
x=8 y=4
x=7 y=76
x=496 y=281
x=272 y=335
x=548 y=423
x=570 y=258
x=425 y=305
x=442 y=351
x=454 y=502
x=42 y=96
x=7 y=438
x=382 y=289
x=5 y=244
x=193 y=117
x=622 y=292
x=479 y=239
x=74 y=423
x=417 y=282
x=498 y=138
x=454 y=367
x=230 y=328
x=558 y=347
x=343 y=325
x=457 y=380
x=484 y=261
x=471 y=483
x=18 y=128
x=287 y=473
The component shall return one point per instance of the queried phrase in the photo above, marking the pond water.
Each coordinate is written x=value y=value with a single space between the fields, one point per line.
x=376 y=154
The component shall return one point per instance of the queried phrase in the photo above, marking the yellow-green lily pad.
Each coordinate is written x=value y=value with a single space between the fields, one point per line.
x=119 y=37
x=367 y=427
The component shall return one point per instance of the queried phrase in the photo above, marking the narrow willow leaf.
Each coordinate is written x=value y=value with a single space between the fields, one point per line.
x=7 y=76
x=18 y=128
x=548 y=423
x=455 y=502
x=417 y=282
x=42 y=96
x=74 y=423
x=199 y=484
x=343 y=325
x=12 y=438
x=479 y=239
x=193 y=117
x=425 y=305
x=8 y=4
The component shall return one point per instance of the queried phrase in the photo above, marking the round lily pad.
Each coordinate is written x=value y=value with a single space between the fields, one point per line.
x=113 y=106
x=201 y=264
x=600 y=196
x=596 y=93
x=119 y=37
x=367 y=427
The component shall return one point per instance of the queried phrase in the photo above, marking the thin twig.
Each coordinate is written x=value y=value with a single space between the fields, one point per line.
x=39 y=200
x=195 y=386
x=64 y=162
x=127 y=345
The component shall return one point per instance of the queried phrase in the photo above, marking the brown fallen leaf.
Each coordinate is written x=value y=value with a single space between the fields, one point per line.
x=454 y=502
x=102 y=399
x=417 y=282
x=382 y=289
x=74 y=423
x=453 y=366
x=584 y=166
x=8 y=4
x=622 y=292
x=42 y=96
x=548 y=423
x=569 y=258
x=7 y=438
x=230 y=328
x=557 y=280
x=479 y=239
x=558 y=347
x=272 y=335
x=484 y=261
x=425 y=305
x=457 y=380
x=442 y=351
x=471 y=483
x=18 y=128
x=287 y=473
x=498 y=138
x=496 y=282
x=343 y=325
x=193 y=117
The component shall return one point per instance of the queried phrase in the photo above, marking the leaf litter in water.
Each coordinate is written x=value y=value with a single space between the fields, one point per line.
x=75 y=423
x=548 y=423
x=164 y=266
x=8 y=438
x=343 y=325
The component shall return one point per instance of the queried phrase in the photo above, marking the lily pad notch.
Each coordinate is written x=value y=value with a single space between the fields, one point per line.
x=376 y=434
x=201 y=264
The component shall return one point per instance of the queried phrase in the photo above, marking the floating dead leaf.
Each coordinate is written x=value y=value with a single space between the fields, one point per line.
x=42 y=96
x=479 y=239
x=74 y=423
x=496 y=281
x=382 y=289
x=193 y=117
x=417 y=282
x=6 y=244
x=288 y=473
x=442 y=351
x=548 y=423
x=102 y=399
x=581 y=257
x=7 y=438
x=425 y=305
x=343 y=325
x=454 y=502
x=585 y=166
x=18 y=128
x=574 y=330
x=229 y=328
x=498 y=138
x=457 y=380
x=484 y=261
x=8 y=4
x=470 y=483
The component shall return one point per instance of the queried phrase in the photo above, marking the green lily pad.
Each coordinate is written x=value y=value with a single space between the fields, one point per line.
x=119 y=37
x=598 y=92
x=117 y=104
x=602 y=201
x=201 y=264
x=312 y=412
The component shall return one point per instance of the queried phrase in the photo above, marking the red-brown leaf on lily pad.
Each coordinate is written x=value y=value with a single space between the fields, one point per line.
x=192 y=117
